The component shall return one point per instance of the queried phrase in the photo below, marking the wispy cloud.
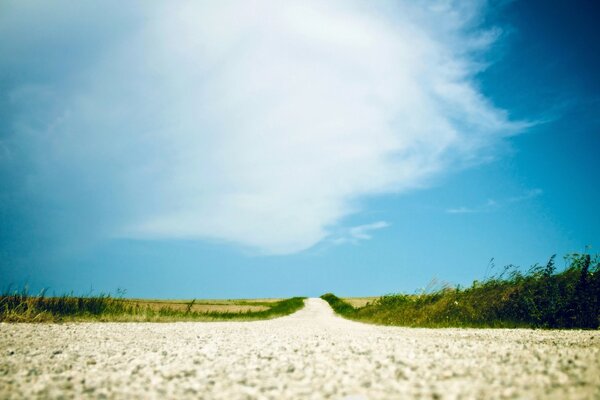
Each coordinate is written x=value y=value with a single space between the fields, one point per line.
x=462 y=210
x=491 y=204
x=530 y=194
x=358 y=233
x=257 y=123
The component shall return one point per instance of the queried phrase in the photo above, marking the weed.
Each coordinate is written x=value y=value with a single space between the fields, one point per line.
x=539 y=298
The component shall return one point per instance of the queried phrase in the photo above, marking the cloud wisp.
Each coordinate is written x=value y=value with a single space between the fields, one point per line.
x=359 y=233
x=492 y=204
x=256 y=123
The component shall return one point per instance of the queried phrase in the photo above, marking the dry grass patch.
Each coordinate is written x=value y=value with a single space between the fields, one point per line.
x=200 y=306
x=358 y=302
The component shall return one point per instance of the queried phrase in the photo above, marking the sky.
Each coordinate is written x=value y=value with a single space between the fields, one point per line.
x=272 y=149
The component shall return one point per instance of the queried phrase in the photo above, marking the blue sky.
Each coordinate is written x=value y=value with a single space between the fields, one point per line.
x=261 y=150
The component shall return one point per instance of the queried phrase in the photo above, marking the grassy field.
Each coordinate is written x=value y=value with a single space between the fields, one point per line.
x=539 y=298
x=358 y=302
x=22 y=307
x=203 y=306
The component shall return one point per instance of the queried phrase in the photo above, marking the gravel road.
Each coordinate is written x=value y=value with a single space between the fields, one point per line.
x=311 y=354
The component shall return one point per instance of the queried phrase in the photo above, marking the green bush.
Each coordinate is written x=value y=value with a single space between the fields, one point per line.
x=540 y=298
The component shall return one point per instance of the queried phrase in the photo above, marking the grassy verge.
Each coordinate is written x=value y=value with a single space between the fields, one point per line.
x=540 y=298
x=22 y=307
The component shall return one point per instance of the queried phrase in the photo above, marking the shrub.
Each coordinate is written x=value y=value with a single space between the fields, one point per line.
x=539 y=298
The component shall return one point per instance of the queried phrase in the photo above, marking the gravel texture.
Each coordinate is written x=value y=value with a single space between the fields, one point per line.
x=311 y=354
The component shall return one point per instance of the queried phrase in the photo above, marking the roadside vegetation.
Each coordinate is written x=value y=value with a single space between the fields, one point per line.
x=540 y=298
x=20 y=306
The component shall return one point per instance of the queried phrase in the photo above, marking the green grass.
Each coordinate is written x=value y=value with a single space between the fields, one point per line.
x=22 y=307
x=540 y=298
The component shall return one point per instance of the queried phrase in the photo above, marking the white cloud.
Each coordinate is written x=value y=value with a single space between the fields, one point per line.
x=461 y=210
x=530 y=194
x=361 y=232
x=357 y=233
x=492 y=204
x=263 y=123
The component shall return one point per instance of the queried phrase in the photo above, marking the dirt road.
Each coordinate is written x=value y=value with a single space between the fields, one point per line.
x=311 y=354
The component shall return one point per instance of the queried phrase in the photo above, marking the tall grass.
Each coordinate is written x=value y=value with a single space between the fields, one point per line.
x=23 y=307
x=539 y=298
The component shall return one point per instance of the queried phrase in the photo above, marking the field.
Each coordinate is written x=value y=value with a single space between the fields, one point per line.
x=203 y=306
x=358 y=302
x=22 y=307
x=539 y=298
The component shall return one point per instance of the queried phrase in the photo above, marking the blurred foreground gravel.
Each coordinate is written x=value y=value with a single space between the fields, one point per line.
x=311 y=354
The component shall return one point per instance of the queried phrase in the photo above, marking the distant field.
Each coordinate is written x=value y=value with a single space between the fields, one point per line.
x=209 y=301
x=22 y=307
x=206 y=305
x=358 y=302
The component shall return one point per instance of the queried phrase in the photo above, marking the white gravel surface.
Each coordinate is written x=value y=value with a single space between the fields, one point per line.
x=311 y=354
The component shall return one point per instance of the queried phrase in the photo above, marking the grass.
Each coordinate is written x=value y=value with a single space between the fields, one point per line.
x=358 y=302
x=539 y=298
x=203 y=306
x=22 y=307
